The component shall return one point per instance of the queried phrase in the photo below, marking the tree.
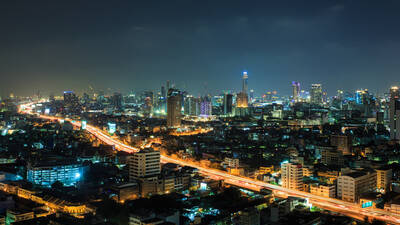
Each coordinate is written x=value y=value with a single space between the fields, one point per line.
x=58 y=185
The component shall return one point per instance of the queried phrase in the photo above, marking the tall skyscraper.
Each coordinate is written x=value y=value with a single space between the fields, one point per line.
x=292 y=176
x=251 y=96
x=116 y=101
x=205 y=106
x=394 y=113
x=244 y=82
x=174 y=106
x=71 y=102
x=296 y=91
x=163 y=92
x=316 y=94
x=242 y=98
x=228 y=103
x=192 y=106
x=168 y=85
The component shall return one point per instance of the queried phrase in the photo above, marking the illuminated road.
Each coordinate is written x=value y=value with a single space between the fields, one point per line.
x=335 y=205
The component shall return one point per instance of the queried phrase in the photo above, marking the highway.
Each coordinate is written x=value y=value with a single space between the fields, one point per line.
x=335 y=205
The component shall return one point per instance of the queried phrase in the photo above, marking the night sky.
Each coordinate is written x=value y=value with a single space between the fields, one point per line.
x=201 y=46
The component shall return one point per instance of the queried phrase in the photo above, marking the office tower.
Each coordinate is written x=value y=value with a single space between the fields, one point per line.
x=168 y=86
x=145 y=163
x=292 y=176
x=163 y=92
x=380 y=121
x=205 y=106
x=192 y=106
x=384 y=179
x=241 y=97
x=71 y=102
x=296 y=91
x=242 y=100
x=394 y=113
x=116 y=101
x=147 y=106
x=174 y=106
x=316 y=94
x=351 y=185
x=45 y=173
x=228 y=104
x=252 y=96
x=244 y=82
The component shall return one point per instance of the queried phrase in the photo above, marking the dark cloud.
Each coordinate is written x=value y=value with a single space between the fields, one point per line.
x=133 y=45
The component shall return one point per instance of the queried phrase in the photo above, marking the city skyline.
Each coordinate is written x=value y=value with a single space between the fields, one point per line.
x=53 y=47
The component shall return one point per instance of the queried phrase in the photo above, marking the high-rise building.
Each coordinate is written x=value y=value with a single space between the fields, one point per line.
x=71 y=102
x=242 y=100
x=70 y=98
x=394 y=113
x=205 y=106
x=296 y=91
x=351 y=185
x=244 y=82
x=145 y=163
x=251 y=96
x=116 y=101
x=192 y=106
x=292 y=176
x=168 y=86
x=163 y=92
x=174 y=106
x=316 y=94
x=144 y=167
x=228 y=104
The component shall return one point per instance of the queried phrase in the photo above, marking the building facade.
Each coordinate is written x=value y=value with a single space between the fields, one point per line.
x=292 y=176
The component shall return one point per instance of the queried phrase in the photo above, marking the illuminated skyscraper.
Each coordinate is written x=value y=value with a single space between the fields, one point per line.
x=192 y=106
x=174 y=106
x=316 y=94
x=394 y=113
x=205 y=106
x=244 y=81
x=296 y=91
x=242 y=98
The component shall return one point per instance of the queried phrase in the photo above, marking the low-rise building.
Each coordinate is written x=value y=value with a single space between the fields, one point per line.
x=324 y=190
x=351 y=185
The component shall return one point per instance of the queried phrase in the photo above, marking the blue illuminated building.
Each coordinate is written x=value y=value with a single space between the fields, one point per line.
x=46 y=173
